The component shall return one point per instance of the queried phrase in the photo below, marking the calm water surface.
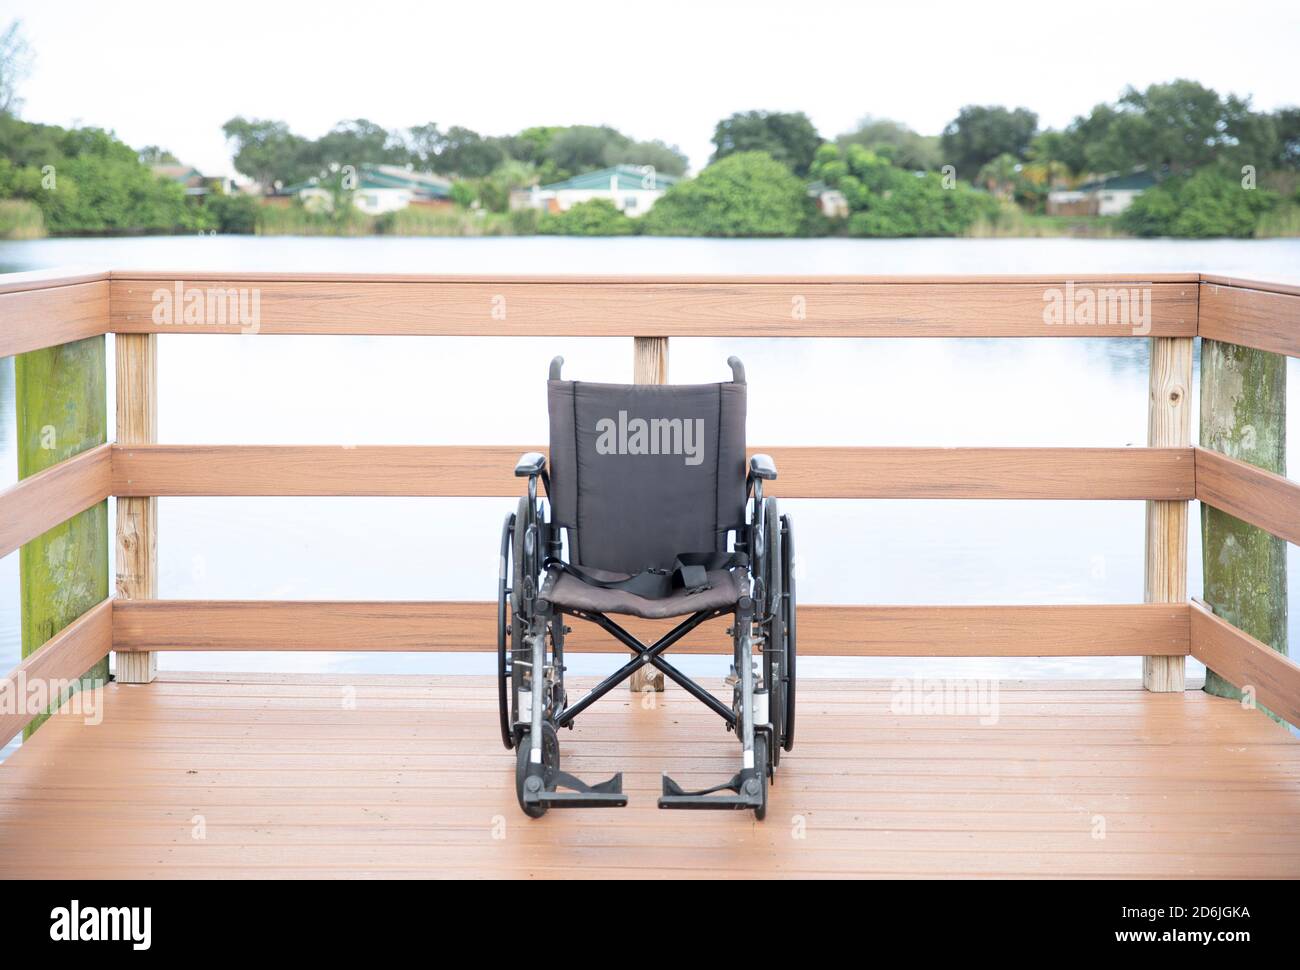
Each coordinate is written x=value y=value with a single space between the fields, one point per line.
x=405 y=390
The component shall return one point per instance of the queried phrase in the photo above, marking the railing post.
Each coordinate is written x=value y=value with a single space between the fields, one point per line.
x=1169 y=425
x=649 y=366
x=62 y=411
x=1243 y=415
x=137 y=518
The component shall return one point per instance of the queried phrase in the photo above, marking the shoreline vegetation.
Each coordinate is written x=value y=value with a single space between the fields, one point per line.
x=1184 y=161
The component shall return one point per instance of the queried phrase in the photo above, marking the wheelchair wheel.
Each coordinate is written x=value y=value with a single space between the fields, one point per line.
x=550 y=764
x=789 y=614
x=775 y=650
x=505 y=617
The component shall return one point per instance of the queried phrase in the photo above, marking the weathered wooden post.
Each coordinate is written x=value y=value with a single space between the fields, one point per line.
x=62 y=411
x=649 y=366
x=1243 y=415
x=1169 y=425
x=137 y=518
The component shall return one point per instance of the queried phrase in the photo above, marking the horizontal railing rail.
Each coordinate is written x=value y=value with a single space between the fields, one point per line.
x=1252 y=494
x=829 y=631
x=40 y=502
x=1265 y=316
x=1243 y=660
x=632 y=307
x=42 y=310
x=488 y=470
x=62 y=659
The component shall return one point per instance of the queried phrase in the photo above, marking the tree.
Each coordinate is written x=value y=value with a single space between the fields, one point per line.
x=1000 y=176
x=887 y=201
x=663 y=158
x=789 y=138
x=1172 y=128
x=358 y=142
x=15 y=64
x=1286 y=123
x=155 y=155
x=529 y=145
x=269 y=153
x=469 y=154
x=747 y=194
x=584 y=148
x=904 y=147
x=980 y=133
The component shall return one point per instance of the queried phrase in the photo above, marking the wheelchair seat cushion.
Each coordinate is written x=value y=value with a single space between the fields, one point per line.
x=567 y=592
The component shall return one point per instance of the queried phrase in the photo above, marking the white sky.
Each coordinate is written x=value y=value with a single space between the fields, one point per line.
x=170 y=73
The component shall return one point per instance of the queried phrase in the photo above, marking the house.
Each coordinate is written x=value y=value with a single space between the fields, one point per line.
x=1103 y=197
x=387 y=188
x=380 y=189
x=830 y=202
x=634 y=189
x=194 y=181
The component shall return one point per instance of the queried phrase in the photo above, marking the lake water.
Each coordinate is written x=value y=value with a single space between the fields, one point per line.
x=403 y=390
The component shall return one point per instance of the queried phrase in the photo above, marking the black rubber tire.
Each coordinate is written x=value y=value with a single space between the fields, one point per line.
x=773 y=673
x=764 y=768
x=550 y=764
x=505 y=617
x=517 y=556
x=791 y=631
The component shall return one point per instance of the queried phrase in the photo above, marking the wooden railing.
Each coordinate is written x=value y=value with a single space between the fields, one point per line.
x=38 y=311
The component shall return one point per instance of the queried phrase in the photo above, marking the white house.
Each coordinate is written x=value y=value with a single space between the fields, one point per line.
x=380 y=189
x=634 y=189
x=1104 y=197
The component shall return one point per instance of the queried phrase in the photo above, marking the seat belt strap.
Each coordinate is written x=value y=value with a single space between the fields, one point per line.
x=690 y=572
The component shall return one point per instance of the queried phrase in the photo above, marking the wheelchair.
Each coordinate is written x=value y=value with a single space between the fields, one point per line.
x=650 y=510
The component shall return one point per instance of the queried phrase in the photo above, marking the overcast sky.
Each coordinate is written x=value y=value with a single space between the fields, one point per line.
x=170 y=73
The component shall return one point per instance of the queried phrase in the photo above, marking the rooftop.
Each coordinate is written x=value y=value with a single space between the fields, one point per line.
x=628 y=178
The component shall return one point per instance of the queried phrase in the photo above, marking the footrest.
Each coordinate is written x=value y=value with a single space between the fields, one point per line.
x=674 y=796
x=606 y=794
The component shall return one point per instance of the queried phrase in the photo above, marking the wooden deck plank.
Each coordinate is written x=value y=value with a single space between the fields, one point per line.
x=412 y=781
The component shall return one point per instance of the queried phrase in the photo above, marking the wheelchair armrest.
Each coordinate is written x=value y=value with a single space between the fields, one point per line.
x=762 y=466
x=530 y=463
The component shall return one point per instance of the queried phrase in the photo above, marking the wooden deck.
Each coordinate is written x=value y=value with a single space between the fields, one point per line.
x=288 y=778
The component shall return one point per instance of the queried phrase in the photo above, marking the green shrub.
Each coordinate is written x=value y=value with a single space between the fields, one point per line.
x=21 y=219
x=1207 y=204
x=297 y=220
x=595 y=217
x=746 y=194
x=235 y=214
x=444 y=221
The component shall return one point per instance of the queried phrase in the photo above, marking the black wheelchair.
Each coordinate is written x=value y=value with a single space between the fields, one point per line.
x=653 y=512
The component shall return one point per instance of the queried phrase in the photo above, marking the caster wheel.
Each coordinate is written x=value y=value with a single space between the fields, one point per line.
x=550 y=765
x=764 y=768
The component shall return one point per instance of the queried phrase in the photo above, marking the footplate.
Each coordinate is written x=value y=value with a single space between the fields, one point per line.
x=606 y=794
x=746 y=792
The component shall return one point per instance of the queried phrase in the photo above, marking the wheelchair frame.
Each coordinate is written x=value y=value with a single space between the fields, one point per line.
x=533 y=708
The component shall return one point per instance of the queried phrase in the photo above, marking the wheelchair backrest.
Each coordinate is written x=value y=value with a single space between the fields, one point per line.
x=643 y=472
